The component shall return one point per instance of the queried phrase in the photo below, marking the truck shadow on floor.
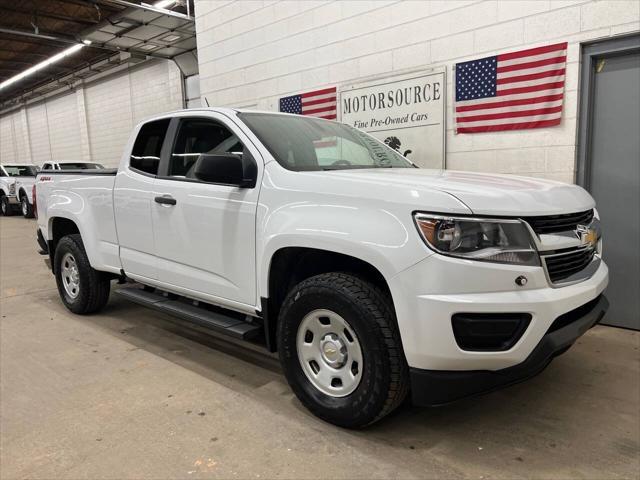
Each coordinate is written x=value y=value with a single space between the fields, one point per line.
x=546 y=412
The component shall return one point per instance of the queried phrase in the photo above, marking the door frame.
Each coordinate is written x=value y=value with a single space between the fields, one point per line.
x=589 y=51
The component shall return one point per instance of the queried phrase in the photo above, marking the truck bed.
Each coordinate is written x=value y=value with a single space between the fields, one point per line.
x=85 y=197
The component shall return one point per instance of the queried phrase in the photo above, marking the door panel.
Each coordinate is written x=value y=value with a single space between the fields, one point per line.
x=615 y=180
x=133 y=197
x=205 y=243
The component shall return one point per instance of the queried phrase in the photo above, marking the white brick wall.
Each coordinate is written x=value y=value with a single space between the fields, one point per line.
x=64 y=131
x=7 y=138
x=93 y=122
x=39 y=133
x=254 y=52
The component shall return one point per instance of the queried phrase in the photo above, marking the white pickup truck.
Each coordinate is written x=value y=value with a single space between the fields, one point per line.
x=16 y=188
x=370 y=277
x=70 y=165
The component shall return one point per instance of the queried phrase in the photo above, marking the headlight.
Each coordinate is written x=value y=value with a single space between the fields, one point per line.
x=489 y=240
x=12 y=189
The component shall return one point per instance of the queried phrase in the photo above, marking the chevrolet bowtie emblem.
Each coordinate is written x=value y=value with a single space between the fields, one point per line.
x=588 y=236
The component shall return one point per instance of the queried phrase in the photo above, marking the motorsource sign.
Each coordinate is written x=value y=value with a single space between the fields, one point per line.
x=406 y=112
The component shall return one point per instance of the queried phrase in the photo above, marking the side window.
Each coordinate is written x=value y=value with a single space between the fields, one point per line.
x=46 y=166
x=145 y=155
x=197 y=136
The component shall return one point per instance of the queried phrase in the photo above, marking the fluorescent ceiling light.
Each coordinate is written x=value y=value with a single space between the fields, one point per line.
x=149 y=46
x=163 y=3
x=44 y=64
x=171 y=38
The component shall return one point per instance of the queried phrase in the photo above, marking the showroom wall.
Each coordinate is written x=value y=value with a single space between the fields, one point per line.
x=92 y=122
x=251 y=53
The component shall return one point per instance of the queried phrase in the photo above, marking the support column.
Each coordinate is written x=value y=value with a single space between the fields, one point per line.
x=85 y=143
x=23 y=140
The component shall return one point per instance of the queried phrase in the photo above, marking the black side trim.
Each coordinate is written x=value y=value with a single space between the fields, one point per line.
x=44 y=248
x=215 y=318
x=269 y=326
x=438 y=387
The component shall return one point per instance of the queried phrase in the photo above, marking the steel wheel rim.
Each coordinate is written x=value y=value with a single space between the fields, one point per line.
x=70 y=275
x=329 y=353
x=25 y=209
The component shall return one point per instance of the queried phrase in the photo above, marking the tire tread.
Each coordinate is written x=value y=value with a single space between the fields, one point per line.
x=368 y=297
x=98 y=285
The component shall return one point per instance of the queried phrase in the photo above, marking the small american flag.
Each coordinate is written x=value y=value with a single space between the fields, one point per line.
x=319 y=103
x=511 y=91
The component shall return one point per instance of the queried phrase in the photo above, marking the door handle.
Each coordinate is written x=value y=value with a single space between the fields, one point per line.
x=166 y=200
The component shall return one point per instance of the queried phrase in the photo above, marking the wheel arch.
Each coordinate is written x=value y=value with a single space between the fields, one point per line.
x=290 y=265
x=58 y=228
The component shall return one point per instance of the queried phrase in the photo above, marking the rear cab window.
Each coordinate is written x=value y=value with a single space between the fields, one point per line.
x=145 y=155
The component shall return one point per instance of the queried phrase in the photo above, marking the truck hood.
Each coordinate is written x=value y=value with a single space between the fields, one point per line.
x=483 y=193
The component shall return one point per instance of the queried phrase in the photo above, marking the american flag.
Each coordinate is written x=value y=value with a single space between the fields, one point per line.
x=319 y=103
x=511 y=91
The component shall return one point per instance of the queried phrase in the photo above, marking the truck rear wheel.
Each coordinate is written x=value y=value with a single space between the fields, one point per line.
x=26 y=207
x=340 y=349
x=5 y=206
x=82 y=289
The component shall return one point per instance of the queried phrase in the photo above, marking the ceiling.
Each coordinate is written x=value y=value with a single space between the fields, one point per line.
x=33 y=30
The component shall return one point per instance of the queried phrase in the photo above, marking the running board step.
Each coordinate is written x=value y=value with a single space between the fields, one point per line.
x=231 y=323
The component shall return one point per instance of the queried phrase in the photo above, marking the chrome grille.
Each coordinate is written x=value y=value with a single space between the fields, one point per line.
x=561 y=266
x=559 y=223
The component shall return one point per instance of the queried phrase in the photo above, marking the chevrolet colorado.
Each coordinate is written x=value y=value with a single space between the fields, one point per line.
x=16 y=187
x=370 y=277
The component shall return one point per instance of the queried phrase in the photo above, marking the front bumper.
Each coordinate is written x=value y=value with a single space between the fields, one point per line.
x=437 y=387
x=428 y=294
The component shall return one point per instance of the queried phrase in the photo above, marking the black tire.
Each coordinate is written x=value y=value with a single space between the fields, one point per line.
x=5 y=207
x=94 y=286
x=25 y=207
x=369 y=312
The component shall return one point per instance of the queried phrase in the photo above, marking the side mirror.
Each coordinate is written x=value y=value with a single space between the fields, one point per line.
x=226 y=168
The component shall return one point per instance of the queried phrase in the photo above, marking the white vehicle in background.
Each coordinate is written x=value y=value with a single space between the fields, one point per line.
x=371 y=278
x=46 y=166
x=16 y=188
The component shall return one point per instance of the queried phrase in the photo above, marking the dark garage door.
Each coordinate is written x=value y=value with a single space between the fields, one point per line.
x=612 y=170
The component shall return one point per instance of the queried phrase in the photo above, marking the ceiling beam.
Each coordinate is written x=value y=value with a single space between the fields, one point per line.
x=22 y=54
x=43 y=36
x=149 y=8
x=55 y=16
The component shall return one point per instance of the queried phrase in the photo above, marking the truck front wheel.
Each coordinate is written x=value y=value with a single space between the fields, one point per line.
x=82 y=289
x=341 y=351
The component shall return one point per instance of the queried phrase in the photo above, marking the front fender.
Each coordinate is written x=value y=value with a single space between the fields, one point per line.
x=376 y=236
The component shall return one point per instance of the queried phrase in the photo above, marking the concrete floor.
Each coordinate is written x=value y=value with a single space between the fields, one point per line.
x=128 y=394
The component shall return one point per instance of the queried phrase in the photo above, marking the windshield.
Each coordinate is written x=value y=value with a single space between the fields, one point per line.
x=80 y=166
x=305 y=143
x=21 y=170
